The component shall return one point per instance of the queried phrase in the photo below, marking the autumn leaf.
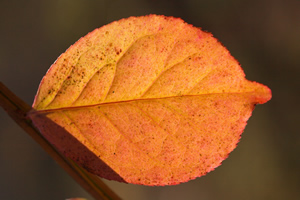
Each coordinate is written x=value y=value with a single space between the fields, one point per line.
x=147 y=100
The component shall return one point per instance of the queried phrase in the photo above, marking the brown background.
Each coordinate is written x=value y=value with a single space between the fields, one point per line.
x=263 y=35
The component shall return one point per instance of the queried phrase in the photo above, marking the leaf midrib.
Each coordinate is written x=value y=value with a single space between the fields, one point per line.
x=130 y=100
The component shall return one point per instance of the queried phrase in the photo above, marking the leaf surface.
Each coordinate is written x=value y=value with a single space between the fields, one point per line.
x=149 y=100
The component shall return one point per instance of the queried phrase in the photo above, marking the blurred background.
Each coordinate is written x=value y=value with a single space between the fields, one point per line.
x=263 y=35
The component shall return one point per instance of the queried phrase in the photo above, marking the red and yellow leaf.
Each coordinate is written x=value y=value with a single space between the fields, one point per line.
x=146 y=100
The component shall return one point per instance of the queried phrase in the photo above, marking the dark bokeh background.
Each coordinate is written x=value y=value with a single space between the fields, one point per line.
x=263 y=35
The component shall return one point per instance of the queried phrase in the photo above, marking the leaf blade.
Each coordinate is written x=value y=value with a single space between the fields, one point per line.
x=144 y=103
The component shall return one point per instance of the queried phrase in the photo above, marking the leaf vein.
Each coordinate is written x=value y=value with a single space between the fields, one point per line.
x=125 y=136
x=117 y=62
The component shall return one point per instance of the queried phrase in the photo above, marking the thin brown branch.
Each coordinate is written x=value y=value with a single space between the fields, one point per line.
x=17 y=110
